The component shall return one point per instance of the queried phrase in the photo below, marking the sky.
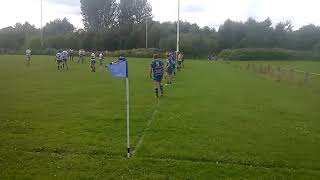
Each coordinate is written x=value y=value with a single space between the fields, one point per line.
x=210 y=13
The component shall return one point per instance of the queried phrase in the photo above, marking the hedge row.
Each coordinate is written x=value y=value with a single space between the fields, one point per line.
x=138 y=53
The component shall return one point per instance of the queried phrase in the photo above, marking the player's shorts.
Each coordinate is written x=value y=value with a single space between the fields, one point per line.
x=93 y=63
x=169 y=70
x=101 y=62
x=28 y=58
x=65 y=60
x=59 y=62
x=179 y=63
x=174 y=67
x=158 y=78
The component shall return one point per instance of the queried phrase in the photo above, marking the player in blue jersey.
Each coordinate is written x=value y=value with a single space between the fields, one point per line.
x=169 y=69
x=156 y=73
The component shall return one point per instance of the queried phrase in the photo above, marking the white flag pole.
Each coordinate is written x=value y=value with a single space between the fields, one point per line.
x=128 y=117
x=178 y=28
x=41 y=26
x=146 y=33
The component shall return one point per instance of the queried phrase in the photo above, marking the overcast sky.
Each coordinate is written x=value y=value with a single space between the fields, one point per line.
x=203 y=12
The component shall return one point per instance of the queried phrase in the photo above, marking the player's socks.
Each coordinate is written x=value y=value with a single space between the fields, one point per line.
x=157 y=92
x=161 y=89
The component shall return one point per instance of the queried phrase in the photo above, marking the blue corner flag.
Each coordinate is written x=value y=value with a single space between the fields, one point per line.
x=119 y=69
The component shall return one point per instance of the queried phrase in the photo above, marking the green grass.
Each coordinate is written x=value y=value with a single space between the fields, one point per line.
x=216 y=121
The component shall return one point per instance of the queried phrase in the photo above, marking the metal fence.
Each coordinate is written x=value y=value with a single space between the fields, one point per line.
x=289 y=74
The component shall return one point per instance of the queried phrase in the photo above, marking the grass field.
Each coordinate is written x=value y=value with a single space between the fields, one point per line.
x=215 y=122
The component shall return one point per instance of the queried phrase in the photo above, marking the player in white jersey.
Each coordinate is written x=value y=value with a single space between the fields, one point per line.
x=28 y=56
x=79 y=55
x=59 y=59
x=65 y=56
x=101 y=59
x=179 y=61
x=70 y=54
x=93 y=62
x=82 y=55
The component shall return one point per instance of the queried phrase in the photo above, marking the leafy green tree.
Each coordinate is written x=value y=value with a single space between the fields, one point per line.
x=134 y=11
x=98 y=14
x=58 y=26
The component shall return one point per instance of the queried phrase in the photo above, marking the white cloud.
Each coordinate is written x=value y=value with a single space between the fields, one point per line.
x=203 y=12
x=14 y=11
x=215 y=12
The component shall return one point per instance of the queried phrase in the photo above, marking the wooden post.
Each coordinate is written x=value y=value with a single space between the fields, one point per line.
x=279 y=74
x=291 y=75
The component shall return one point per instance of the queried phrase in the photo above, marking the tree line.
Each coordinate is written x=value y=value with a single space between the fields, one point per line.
x=109 y=25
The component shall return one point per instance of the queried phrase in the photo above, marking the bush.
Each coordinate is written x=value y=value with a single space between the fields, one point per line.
x=256 y=54
x=138 y=53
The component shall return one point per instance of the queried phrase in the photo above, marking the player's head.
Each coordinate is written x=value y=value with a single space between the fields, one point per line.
x=155 y=56
x=122 y=57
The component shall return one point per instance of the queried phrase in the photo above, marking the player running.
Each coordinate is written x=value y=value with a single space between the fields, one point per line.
x=173 y=58
x=179 y=61
x=182 y=59
x=156 y=73
x=28 y=56
x=93 y=62
x=71 y=54
x=65 y=57
x=101 y=60
x=169 y=69
x=82 y=54
x=59 y=59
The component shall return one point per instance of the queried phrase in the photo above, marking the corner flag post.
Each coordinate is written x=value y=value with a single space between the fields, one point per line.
x=128 y=116
x=120 y=70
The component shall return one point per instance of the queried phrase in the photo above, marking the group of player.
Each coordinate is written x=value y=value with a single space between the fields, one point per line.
x=63 y=55
x=160 y=70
